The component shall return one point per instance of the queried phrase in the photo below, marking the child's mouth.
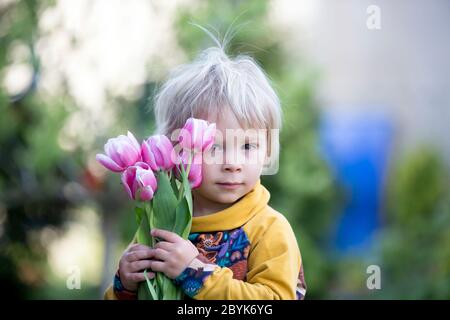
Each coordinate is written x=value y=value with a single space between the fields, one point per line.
x=229 y=185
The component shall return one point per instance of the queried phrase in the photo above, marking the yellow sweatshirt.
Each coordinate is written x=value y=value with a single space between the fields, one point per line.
x=247 y=251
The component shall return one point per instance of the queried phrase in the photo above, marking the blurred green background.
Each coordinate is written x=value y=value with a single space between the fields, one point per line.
x=73 y=74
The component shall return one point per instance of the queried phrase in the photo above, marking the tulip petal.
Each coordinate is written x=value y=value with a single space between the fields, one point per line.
x=147 y=156
x=111 y=151
x=195 y=176
x=128 y=154
x=149 y=179
x=159 y=158
x=145 y=182
x=142 y=165
x=185 y=139
x=133 y=140
x=195 y=170
x=146 y=194
x=108 y=163
x=158 y=152
x=195 y=183
x=167 y=149
x=128 y=180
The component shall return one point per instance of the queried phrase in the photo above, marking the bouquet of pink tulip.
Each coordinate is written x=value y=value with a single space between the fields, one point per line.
x=160 y=176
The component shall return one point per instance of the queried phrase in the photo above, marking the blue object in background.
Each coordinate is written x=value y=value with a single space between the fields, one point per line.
x=356 y=144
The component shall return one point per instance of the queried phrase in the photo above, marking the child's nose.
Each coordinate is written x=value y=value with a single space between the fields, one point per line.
x=233 y=161
x=232 y=167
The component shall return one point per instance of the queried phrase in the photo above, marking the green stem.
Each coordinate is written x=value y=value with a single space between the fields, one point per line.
x=150 y=286
x=149 y=213
x=189 y=164
x=185 y=175
x=181 y=191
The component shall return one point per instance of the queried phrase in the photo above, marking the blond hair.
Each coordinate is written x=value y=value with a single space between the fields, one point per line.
x=213 y=82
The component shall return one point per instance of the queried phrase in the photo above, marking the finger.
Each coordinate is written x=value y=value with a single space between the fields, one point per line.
x=147 y=253
x=160 y=254
x=158 y=266
x=164 y=245
x=138 y=246
x=139 y=276
x=165 y=235
x=140 y=265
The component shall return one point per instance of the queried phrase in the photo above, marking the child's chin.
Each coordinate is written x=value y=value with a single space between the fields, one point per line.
x=228 y=198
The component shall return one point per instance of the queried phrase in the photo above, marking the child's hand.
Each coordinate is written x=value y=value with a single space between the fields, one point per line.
x=174 y=252
x=132 y=263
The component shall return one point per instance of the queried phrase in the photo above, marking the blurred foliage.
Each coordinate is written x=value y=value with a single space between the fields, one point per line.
x=415 y=244
x=30 y=163
x=40 y=182
x=412 y=248
x=415 y=193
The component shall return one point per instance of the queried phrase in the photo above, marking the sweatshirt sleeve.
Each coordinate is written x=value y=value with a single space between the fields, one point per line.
x=109 y=294
x=273 y=268
x=117 y=292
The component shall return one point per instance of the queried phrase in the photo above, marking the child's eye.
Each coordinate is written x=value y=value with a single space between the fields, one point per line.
x=250 y=146
x=215 y=147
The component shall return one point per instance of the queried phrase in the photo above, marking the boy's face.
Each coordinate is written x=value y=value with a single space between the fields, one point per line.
x=234 y=163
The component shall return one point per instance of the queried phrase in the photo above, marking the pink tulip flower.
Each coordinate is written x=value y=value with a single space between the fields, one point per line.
x=195 y=169
x=197 y=135
x=158 y=152
x=121 y=152
x=139 y=182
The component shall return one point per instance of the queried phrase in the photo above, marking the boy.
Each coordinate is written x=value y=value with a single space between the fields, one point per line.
x=239 y=247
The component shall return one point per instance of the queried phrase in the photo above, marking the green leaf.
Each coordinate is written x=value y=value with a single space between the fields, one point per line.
x=185 y=208
x=159 y=280
x=143 y=232
x=187 y=230
x=174 y=184
x=171 y=291
x=144 y=292
x=183 y=219
x=139 y=212
x=164 y=204
x=165 y=212
x=167 y=293
x=186 y=188
x=143 y=237
x=150 y=286
x=150 y=218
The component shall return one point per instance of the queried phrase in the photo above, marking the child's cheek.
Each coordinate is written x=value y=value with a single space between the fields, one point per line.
x=208 y=173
